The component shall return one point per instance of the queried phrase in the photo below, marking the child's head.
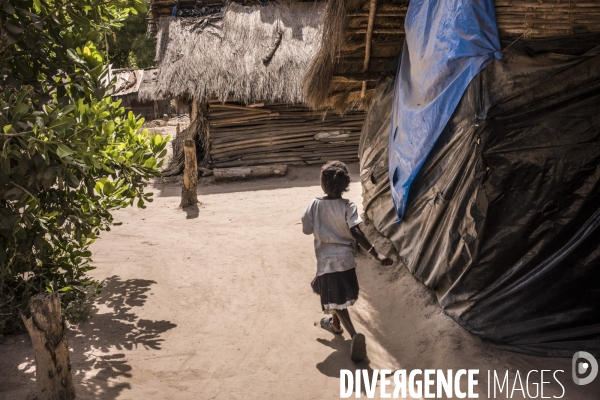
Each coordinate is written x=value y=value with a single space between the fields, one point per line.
x=335 y=178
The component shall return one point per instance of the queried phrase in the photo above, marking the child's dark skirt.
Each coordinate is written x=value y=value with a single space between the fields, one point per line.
x=338 y=290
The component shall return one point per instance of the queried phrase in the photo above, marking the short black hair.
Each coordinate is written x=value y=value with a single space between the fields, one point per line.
x=335 y=178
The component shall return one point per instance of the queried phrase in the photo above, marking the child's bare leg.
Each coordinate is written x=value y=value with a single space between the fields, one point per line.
x=344 y=317
x=335 y=322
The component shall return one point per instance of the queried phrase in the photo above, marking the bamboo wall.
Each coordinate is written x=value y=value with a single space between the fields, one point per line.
x=544 y=19
x=280 y=134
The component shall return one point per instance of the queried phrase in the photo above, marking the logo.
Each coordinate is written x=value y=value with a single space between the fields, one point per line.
x=584 y=364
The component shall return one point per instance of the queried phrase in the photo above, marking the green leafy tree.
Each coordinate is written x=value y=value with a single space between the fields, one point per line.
x=68 y=154
x=129 y=45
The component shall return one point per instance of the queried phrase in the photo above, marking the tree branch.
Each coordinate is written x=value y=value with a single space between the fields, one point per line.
x=23 y=189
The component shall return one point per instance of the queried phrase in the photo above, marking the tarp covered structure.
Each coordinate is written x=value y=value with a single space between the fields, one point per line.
x=447 y=43
x=502 y=218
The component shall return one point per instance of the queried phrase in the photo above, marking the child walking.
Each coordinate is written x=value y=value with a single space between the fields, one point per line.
x=334 y=222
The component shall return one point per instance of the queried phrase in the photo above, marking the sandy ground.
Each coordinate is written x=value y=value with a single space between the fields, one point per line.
x=215 y=303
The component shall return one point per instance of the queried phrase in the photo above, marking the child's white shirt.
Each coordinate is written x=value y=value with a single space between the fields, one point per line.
x=330 y=220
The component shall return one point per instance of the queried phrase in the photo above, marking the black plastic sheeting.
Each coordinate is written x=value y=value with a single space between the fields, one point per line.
x=502 y=221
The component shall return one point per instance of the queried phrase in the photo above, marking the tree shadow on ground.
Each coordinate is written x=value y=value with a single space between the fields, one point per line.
x=98 y=346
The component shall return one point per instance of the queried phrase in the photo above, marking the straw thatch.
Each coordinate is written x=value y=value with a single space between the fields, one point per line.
x=127 y=83
x=248 y=54
x=148 y=84
x=320 y=72
x=356 y=49
x=130 y=84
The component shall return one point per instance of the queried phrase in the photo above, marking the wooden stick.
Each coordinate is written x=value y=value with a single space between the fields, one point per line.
x=390 y=31
x=365 y=76
x=236 y=107
x=379 y=14
x=189 y=189
x=371 y=24
x=263 y=171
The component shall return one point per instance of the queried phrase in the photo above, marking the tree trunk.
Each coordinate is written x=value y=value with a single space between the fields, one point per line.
x=189 y=196
x=48 y=337
x=258 y=171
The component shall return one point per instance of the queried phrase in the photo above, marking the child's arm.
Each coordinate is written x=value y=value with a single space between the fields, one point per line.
x=365 y=244
x=307 y=221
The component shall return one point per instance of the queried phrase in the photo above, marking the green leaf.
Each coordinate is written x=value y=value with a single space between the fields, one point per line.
x=67 y=109
x=150 y=163
x=63 y=151
x=61 y=124
x=72 y=54
x=13 y=194
x=20 y=109
x=39 y=242
x=100 y=185
x=13 y=29
x=71 y=180
x=9 y=222
x=10 y=10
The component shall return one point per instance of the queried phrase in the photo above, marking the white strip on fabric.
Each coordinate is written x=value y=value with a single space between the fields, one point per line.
x=333 y=306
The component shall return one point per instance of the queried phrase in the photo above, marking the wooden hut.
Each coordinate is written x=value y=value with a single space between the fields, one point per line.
x=240 y=66
x=129 y=87
x=361 y=38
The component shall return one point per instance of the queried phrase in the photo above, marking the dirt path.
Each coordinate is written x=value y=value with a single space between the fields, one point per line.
x=216 y=304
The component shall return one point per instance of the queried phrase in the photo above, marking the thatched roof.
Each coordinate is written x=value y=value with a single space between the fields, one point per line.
x=131 y=84
x=127 y=83
x=251 y=54
x=148 y=86
x=357 y=48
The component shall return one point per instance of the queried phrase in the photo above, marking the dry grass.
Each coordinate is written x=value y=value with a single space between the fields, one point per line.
x=224 y=58
x=317 y=81
x=320 y=72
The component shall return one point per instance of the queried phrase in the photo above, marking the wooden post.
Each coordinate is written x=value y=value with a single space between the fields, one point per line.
x=189 y=196
x=48 y=337
x=368 y=39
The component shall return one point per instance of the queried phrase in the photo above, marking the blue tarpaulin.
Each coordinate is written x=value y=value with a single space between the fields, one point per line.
x=447 y=43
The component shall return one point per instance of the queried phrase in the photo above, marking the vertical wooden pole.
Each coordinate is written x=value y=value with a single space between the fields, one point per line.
x=368 y=39
x=48 y=338
x=189 y=196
